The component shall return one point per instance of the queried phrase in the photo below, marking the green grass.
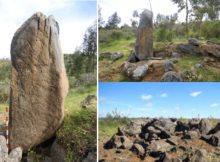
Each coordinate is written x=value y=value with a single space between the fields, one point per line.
x=78 y=132
x=109 y=126
x=204 y=74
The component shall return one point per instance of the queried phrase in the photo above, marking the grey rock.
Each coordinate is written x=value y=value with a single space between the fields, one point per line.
x=57 y=152
x=192 y=135
x=169 y=158
x=171 y=76
x=138 y=149
x=198 y=66
x=91 y=157
x=173 y=140
x=144 y=42
x=200 y=156
x=204 y=126
x=215 y=139
x=126 y=143
x=189 y=49
x=194 y=124
x=168 y=66
x=15 y=155
x=194 y=41
x=181 y=127
x=132 y=58
x=135 y=71
x=159 y=146
x=112 y=56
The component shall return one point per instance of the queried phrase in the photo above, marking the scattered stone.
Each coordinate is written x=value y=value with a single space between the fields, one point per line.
x=189 y=49
x=144 y=42
x=158 y=147
x=57 y=152
x=194 y=41
x=215 y=129
x=126 y=143
x=168 y=66
x=211 y=49
x=135 y=71
x=38 y=84
x=89 y=100
x=138 y=150
x=198 y=66
x=188 y=75
x=132 y=58
x=112 y=56
x=193 y=124
x=204 y=126
x=175 y=55
x=192 y=135
x=215 y=139
x=173 y=140
x=171 y=76
x=200 y=156
x=91 y=157
x=169 y=158
x=181 y=127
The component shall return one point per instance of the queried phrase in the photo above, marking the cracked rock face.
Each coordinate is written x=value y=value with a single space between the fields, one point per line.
x=38 y=84
x=144 y=42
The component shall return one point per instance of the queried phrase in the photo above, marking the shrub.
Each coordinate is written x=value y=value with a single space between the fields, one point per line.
x=210 y=29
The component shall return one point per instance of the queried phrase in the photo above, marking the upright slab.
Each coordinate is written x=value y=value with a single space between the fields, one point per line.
x=38 y=84
x=144 y=42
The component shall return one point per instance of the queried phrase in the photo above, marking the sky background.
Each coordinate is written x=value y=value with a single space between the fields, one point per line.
x=73 y=16
x=125 y=8
x=160 y=99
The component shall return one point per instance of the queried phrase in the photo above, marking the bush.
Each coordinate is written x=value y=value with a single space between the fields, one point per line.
x=163 y=34
x=210 y=29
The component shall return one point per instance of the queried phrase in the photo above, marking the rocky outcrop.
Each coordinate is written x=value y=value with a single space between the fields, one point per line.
x=171 y=76
x=144 y=42
x=38 y=83
x=166 y=140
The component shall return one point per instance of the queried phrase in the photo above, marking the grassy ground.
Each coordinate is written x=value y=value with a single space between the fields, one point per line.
x=78 y=132
x=124 y=46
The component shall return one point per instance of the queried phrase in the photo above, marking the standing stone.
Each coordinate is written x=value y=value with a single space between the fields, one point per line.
x=144 y=42
x=38 y=84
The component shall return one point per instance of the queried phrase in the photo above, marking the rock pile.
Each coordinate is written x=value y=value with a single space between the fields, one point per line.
x=38 y=83
x=167 y=140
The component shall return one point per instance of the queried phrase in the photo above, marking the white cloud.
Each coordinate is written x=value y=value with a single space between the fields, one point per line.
x=149 y=106
x=214 y=105
x=146 y=97
x=195 y=94
x=163 y=95
x=102 y=98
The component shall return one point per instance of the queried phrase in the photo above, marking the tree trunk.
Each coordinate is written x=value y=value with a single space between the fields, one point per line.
x=187 y=18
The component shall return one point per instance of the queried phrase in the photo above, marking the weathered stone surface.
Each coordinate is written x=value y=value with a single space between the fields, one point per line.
x=112 y=56
x=200 y=156
x=168 y=66
x=215 y=139
x=194 y=41
x=138 y=149
x=204 y=126
x=57 y=152
x=15 y=155
x=192 y=135
x=144 y=42
x=91 y=157
x=194 y=124
x=189 y=49
x=39 y=83
x=171 y=76
x=135 y=71
x=211 y=49
x=169 y=158
x=157 y=147
x=132 y=58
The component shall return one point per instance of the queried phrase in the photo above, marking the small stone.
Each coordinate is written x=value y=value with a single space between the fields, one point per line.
x=171 y=76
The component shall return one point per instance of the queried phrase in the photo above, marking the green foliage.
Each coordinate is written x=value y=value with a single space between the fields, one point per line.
x=163 y=34
x=113 y=21
x=78 y=132
x=210 y=29
x=109 y=35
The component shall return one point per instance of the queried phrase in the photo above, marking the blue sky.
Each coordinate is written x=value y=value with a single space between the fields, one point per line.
x=160 y=99
x=73 y=16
